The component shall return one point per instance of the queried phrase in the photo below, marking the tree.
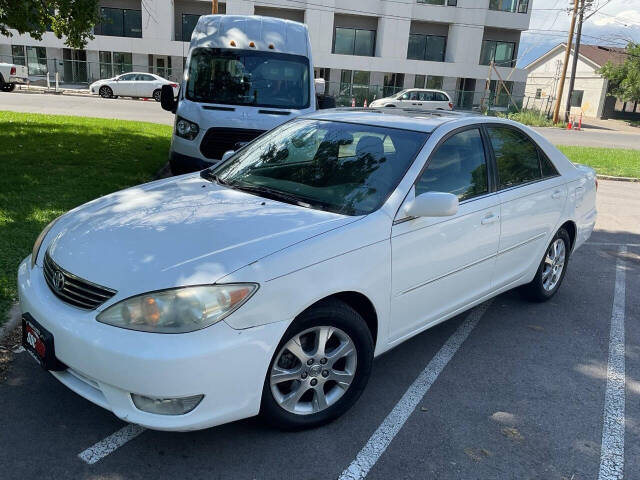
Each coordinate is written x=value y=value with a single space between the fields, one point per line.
x=72 y=19
x=624 y=79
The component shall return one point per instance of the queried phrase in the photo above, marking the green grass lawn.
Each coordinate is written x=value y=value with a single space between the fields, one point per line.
x=606 y=161
x=50 y=164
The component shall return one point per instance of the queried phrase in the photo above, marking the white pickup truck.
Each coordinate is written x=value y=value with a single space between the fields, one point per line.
x=11 y=74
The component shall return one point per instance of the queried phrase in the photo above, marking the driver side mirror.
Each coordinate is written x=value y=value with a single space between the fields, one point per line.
x=227 y=154
x=432 y=204
x=167 y=100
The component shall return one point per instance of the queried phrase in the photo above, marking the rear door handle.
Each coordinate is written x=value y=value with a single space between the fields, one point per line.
x=557 y=194
x=489 y=218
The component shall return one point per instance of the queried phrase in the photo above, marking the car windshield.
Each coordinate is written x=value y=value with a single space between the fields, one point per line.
x=241 y=77
x=335 y=166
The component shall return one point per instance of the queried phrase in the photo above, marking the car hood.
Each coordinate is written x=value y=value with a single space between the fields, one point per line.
x=181 y=231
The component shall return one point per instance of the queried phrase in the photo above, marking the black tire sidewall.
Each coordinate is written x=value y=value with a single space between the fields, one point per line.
x=335 y=314
x=158 y=92
x=107 y=90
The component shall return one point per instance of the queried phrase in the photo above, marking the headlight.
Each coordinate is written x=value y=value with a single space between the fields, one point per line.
x=178 y=310
x=186 y=129
x=39 y=240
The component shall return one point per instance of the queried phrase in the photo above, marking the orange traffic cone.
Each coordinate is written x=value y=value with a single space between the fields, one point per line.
x=365 y=103
x=353 y=101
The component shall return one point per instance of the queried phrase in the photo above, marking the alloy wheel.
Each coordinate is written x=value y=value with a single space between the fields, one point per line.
x=553 y=264
x=313 y=370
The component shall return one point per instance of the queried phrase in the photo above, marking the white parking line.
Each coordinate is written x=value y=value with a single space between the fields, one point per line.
x=104 y=447
x=613 y=244
x=388 y=429
x=612 y=450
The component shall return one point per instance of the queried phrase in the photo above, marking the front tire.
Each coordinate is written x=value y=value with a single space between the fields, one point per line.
x=105 y=92
x=319 y=369
x=552 y=269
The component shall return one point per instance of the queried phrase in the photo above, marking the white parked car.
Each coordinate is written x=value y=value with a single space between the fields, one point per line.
x=420 y=98
x=132 y=84
x=11 y=74
x=268 y=283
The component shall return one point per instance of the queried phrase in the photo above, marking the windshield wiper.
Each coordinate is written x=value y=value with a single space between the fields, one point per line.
x=209 y=175
x=275 y=195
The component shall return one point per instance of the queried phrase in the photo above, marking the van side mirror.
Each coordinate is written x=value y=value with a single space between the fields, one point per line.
x=167 y=100
x=227 y=154
x=432 y=204
x=319 y=85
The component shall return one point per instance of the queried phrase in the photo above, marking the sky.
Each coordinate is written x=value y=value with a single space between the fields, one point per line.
x=613 y=25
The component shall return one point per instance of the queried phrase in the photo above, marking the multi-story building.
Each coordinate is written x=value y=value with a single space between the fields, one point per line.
x=363 y=48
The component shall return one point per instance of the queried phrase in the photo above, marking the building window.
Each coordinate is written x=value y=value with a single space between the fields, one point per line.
x=538 y=93
x=353 y=82
x=419 y=82
x=120 y=22
x=500 y=98
x=106 y=71
x=520 y=6
x=576 y=98
x=449 y=3
x=500 y=52
x=393 y=83
x=354 y=41
x=434 y=81
x=114 y=63
x=426 y=47
x=189 y=22
x=35 y=58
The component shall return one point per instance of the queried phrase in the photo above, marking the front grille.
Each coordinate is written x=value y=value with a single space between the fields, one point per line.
x=74 y=290
x=219 y=140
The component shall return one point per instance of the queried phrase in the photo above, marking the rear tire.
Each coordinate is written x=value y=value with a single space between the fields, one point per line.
x=105 y=92
x=8 y=87
x=551 y=270
x=324 y=383
x=157 y=95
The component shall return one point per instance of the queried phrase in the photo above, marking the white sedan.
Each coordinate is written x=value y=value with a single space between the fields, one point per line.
x=133 y=84
x=416 y=98
x=268 y=283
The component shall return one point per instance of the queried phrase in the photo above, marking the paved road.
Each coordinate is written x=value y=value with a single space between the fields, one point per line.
x=523 y=396
x=127 y=109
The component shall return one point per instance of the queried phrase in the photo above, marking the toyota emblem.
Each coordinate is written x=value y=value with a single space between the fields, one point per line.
x=58 y=280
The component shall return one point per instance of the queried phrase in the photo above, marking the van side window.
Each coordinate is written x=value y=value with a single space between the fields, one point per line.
x=516 y=157
x=458 y=166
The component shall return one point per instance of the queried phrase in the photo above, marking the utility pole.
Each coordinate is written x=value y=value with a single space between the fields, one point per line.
x=556 y=111
x=576 y=52
x=214 y=7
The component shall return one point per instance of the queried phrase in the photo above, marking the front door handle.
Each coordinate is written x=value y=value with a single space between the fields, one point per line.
x=557 y=194
x=489 y=218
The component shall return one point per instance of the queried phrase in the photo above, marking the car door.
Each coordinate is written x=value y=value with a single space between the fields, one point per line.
x=532 y=197
x=427 y=100
x=126 y=85
x=440 y=265
x=147 y=84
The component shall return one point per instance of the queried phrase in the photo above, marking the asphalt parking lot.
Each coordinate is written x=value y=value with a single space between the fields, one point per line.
x=508 y=390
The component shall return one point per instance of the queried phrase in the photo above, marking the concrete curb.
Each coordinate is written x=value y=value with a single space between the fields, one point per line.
x=12 y=321
x=618 y=179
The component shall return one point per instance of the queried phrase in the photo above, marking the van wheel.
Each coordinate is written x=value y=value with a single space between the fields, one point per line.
x=157 y=94
x=319 y=369
x=105 y=92
x=551 y=270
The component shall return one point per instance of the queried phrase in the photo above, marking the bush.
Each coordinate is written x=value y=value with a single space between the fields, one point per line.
x=533 y=118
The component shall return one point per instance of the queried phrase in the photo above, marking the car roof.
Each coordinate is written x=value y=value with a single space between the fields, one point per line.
x=137 y=73
x=406 y=118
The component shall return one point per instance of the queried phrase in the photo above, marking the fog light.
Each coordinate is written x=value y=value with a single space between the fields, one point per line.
x=166 y=406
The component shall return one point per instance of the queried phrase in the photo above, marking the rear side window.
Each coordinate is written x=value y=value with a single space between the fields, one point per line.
x=516 y=157
x=441 y=97
x=548 y=170
x=458 y=166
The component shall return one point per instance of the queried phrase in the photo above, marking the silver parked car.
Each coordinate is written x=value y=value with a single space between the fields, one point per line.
x=420 y=98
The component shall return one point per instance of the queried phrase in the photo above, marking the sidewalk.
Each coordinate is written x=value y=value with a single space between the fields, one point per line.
x=80 y=90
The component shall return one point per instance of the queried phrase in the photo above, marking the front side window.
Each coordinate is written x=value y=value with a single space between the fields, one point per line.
x=339 y=167
x=252 y=78
x=516 y=155
x=458 y=166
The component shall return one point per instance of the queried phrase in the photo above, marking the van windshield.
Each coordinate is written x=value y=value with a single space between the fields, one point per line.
x=253 y=78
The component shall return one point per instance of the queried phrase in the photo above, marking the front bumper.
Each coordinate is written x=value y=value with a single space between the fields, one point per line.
x=181 y=164
x=107 y=364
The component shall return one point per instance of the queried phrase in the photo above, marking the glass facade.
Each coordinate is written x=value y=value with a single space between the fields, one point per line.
x=426 y=47
x=34 y=58
x=520 y=6
x=17 y=52
x=450 y=3
x=502 y=53
x=393 y=83
x=353 y=41
x=120 y=22
x=428 y=81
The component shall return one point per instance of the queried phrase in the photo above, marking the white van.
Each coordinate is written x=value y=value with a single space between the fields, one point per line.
x=244 y=75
